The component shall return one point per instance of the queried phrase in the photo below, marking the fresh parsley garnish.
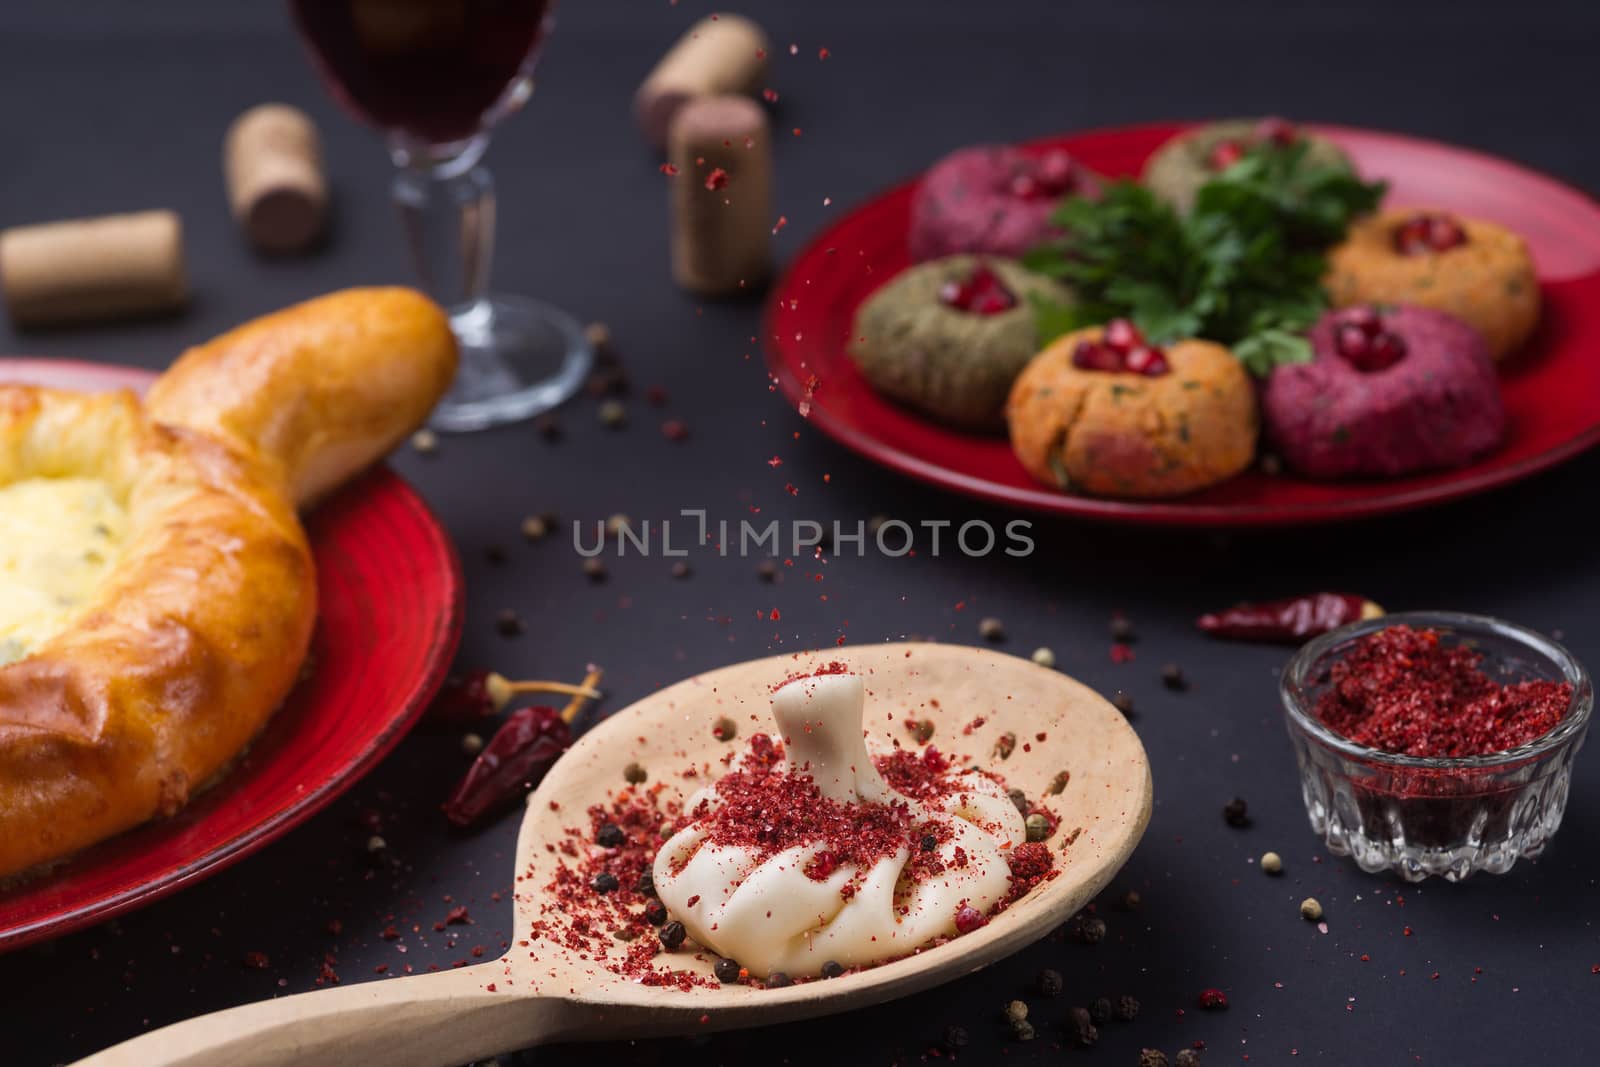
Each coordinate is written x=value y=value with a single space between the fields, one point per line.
x=1243 y=268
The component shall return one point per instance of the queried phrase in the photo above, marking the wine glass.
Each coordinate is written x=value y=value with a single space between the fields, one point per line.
x=435 y=76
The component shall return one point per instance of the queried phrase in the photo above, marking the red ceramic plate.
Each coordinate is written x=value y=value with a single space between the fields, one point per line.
x=389 y=588
x=1552 y=389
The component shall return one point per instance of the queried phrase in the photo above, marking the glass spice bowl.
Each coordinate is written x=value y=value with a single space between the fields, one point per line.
x=1420 y=816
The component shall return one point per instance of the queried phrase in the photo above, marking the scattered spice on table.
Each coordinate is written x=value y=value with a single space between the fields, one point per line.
x=1127 y=1008
x=425 y=441
x=680 y=569
x=1044 y=657
x=1290 y=621
x=1187 y=1057
x=1122 y=630
x=515 y=758
x=1152 y=1057
x=594 y=569
x=1090 y=930
x=1236 y=813
x=509 y=624
x=1123 y=703
x=1172 y=677
x=1311 y=909
x=548 y=427
x=956 y=1038
x=1100 y=1010
x=613 y=414
x=1050 y=982
x=1081 y=1028
x=534 y=528
x=1271 y=863
x=1405 y=690
x=991 y=629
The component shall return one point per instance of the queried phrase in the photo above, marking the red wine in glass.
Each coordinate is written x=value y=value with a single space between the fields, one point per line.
x=435 y=76
x=432 y=69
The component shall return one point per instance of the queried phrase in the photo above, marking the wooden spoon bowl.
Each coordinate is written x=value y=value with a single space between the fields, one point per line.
x=541 y=992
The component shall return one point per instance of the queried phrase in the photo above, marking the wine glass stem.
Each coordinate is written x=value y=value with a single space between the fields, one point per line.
x=449 y=222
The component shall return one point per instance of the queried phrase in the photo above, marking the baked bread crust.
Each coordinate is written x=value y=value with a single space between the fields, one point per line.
x=199 y=629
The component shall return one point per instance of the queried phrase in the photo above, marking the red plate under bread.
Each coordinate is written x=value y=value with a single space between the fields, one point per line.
x=1552 y=388
x=390 y=602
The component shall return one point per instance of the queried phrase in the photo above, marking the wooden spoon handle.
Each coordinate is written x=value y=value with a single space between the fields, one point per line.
x=429 y=1020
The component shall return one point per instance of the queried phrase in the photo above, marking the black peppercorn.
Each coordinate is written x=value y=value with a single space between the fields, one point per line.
x=1131 y=900
x=595 y=569
x=1127 y=1008
x=779 y=980
x=604 y=882
x=509 y=623
x=672 y=935
x=655 y=913
x=1172 y=677
x=495 y=556
x=1123 y=703
x=726 y=970
x=1090 y=931
x=1081 y=1028
x=1121 y=630
x=955 y=1038
x=1187 y=1057
x=832 y=969
x=610 y=835
x=646 y=882
x=767 y=570
x=549 y=427
x=929 y=842
x=1236 y=813
x=1100 y=1010
x=1050 y=983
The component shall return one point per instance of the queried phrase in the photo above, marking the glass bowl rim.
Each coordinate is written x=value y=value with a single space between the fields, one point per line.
x=1291 y=685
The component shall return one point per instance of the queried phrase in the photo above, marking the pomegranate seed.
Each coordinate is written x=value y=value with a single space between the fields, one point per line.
x=1088 y=355
x=1387 y=350
x=1278 y=131
x=1225 y=155
x=1364 y=318
x=969 y=919
x=1057 y=172
x=1148 y=361
x=1445 y=233
x=1428 y=231
x=983 y=293
x=1122 y=336
x=1353 y=344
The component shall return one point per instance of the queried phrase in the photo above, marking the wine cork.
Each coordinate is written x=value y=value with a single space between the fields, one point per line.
x=273 y=165
x=720 y=54
x=82 y=269
x=721 y=195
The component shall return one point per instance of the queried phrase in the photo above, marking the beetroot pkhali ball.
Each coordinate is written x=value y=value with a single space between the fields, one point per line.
x=1388 y=392
x=993 y=200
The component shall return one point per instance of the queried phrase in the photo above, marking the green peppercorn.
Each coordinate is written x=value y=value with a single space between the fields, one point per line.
x=1038 y=827
x=724 y=729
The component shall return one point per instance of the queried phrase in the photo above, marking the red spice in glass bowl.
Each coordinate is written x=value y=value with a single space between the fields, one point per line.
x=1435 y=743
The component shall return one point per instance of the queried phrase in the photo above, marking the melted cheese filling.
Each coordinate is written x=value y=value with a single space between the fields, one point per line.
x=58 y=538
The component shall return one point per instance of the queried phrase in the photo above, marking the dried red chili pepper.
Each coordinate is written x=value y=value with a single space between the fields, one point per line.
x=479 y=695
x=1291 y=621
x=516 y=758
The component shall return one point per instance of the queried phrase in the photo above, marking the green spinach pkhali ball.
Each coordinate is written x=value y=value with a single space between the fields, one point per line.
x=949 y=336
x=1176 y=171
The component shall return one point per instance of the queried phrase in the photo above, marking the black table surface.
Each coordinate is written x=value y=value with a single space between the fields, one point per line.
x=113 y=106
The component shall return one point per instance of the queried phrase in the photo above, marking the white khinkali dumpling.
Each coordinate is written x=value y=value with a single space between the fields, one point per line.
x=770 y=915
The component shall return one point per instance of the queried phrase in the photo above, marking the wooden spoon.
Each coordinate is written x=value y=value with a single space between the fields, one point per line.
x=973 y=697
